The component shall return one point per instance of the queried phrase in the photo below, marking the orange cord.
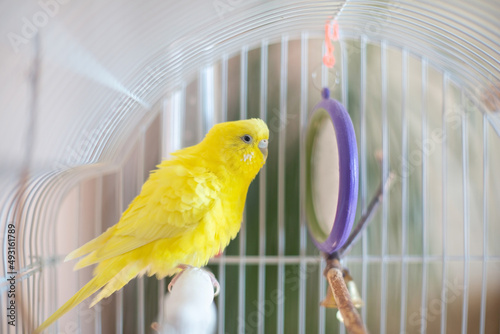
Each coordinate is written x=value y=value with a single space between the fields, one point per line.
x=331 y=34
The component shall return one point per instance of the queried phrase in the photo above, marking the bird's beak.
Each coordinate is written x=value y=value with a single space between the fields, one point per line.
x=263 y=147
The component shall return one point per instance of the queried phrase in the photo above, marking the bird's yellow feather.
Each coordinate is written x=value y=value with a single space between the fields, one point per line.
x=187 y=211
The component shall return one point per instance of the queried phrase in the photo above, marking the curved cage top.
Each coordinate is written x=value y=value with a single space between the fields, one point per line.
x=106 y=64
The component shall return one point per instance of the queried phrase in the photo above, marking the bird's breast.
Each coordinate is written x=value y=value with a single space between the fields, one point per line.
x=217 y=228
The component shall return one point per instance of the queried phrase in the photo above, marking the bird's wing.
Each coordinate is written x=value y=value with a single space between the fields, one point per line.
x=172 y=202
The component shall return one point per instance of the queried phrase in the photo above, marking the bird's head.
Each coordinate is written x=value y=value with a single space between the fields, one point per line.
x=240 y=145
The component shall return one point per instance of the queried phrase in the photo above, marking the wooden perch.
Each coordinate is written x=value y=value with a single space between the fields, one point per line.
x=338 y=289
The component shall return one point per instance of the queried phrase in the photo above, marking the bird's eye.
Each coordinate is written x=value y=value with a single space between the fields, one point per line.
x=247 y=139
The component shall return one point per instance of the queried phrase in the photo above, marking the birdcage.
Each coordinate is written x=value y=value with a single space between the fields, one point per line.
x=95 y=94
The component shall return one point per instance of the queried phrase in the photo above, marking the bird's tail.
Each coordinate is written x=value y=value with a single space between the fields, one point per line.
x=91 y=246
x=110 y=274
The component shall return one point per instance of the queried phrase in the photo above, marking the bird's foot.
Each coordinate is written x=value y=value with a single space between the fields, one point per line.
x=183 y=267
x=215 y=283
x=156 y=327
x=176 y=277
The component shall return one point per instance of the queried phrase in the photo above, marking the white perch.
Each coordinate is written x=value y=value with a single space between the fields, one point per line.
x=189 y=308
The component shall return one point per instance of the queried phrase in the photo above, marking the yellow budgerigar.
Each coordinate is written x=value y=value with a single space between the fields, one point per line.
x=188 y=210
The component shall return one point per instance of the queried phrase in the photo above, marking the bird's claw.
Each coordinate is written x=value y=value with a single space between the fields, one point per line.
x=183 y=267
x=176 y=277
x=215 y=283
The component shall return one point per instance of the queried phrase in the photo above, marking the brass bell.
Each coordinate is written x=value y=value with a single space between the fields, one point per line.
x=353 y=291
x=329 y=301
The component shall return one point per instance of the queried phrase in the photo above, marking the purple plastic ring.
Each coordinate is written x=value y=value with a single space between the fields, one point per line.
x=344 y=198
